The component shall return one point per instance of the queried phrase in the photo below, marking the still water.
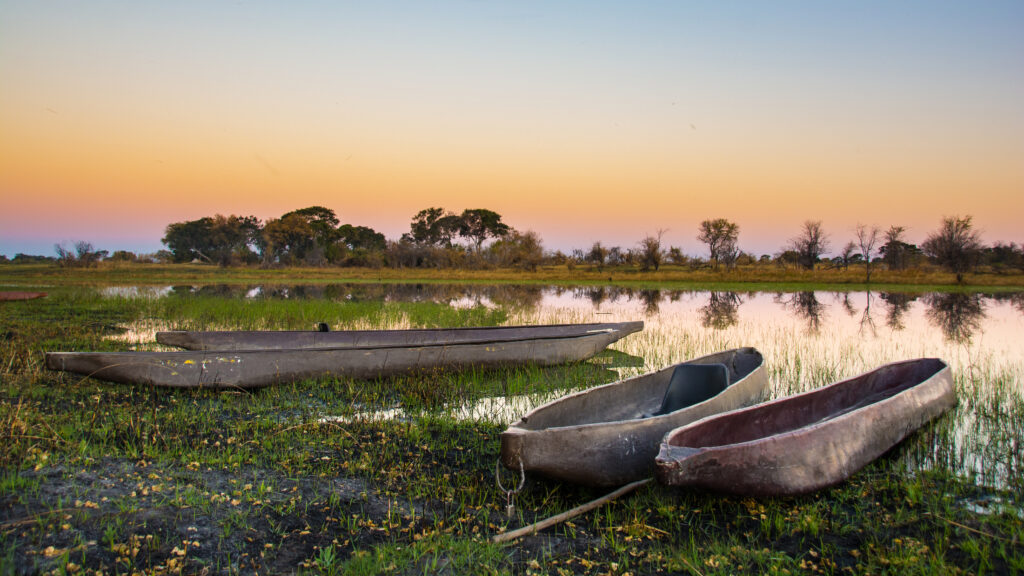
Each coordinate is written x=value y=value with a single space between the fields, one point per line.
x=809 y=339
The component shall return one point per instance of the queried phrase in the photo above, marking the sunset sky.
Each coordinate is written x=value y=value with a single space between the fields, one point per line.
x=582 y=121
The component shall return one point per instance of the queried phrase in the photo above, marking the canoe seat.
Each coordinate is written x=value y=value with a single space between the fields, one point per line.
x=692 y=384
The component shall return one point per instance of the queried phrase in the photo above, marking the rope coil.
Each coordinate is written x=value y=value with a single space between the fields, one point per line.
x=510 y=494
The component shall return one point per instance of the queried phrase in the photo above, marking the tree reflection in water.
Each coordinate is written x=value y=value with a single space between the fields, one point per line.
x=844 y=300
x=651 y=299
x=867 y=323
x=958 y=315
x=721 y=311
x=896 y=306
x=804 y=305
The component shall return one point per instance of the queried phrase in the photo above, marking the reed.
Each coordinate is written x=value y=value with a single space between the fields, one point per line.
x=344 y=476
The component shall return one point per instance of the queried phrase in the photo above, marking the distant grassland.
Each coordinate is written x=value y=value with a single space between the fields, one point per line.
x=751 y=278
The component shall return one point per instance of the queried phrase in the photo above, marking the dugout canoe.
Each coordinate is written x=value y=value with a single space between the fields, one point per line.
x=293 y=339
x=811 y=440
x=258 y=368
x=14 y=296
x=609 y=435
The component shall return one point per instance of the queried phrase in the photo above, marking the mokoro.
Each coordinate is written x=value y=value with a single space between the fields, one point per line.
x=807 y=441
x=258 y=368
x=608 y=435
x=293 y=339
x=12 y=296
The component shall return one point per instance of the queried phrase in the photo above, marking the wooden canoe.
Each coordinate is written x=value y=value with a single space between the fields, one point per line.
x=807 y=441
x=13 y=296
x=259 y=368
x=293 y=339
x=605 y=436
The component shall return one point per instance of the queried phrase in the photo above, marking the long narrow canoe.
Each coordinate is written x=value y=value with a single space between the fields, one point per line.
x=293 y=339
x=807 y=441
x=608 y=435
x=13 y=296
x=259 y=368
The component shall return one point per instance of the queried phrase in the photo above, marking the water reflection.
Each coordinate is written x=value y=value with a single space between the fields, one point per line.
x=512 y=296
x=956 y=314
x=804 y=305
x=867 y=322
x=721 y=311
x=896 y=306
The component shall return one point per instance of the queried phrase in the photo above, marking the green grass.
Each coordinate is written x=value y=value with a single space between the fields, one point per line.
x=114 y=478
x=748 y=278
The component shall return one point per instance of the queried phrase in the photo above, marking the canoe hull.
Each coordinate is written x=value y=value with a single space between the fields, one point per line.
x=597 y=437
x=294 y=339
x=259 y=368
x=16 y=296
x=807 y=441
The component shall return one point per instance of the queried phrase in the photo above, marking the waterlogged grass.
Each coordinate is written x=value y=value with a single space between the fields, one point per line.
x=744 y=278
x=107 y=478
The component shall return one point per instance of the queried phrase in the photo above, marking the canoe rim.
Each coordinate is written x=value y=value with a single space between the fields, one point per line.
x=516 y=429
x=810 y=428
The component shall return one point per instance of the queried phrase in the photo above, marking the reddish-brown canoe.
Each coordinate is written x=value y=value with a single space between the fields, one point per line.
x=609 y=435
x=12 y=296
x=258 y=368
x=807 y=441
x=293 y=339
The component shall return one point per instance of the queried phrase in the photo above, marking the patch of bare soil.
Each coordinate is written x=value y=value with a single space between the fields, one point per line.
x=120 y=516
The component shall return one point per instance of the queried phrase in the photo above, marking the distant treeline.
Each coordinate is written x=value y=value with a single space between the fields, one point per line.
x=478 y=238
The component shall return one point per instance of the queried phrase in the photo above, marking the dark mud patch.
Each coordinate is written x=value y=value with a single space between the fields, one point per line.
x=120 y=516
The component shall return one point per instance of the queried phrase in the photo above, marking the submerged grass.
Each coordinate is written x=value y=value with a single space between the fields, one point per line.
x=104 y=478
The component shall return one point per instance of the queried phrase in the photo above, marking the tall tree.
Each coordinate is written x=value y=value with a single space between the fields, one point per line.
x=846 y=255
x=721 y=237
x=291 y=239
x=323 y=242
x=434 y=226
x=894 y=249
x=810 y=244
x=955 y=245
x=866 y=240
x=650 y=253
x=598 y=254
x=218 y=239
x=479 y=224
x=362 y=237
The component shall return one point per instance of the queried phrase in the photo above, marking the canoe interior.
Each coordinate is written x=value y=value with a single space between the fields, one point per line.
x=632 y=398
x=290 y=339
x=806 y=409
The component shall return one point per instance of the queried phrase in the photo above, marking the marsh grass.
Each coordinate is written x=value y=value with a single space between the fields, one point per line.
x=102 y=477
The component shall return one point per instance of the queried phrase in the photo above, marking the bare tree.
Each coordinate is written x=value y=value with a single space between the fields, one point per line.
x=955 y=245
x=721 y=236
x=847 y=254
x=866 y=240
x=84 y=255
x=810 y=244
x=598 y=255
x=650 y=252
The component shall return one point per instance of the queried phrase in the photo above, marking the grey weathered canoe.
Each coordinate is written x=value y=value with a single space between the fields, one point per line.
x=603 y=436
x=292 y=339
x=258 y=368
x=807 y=441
